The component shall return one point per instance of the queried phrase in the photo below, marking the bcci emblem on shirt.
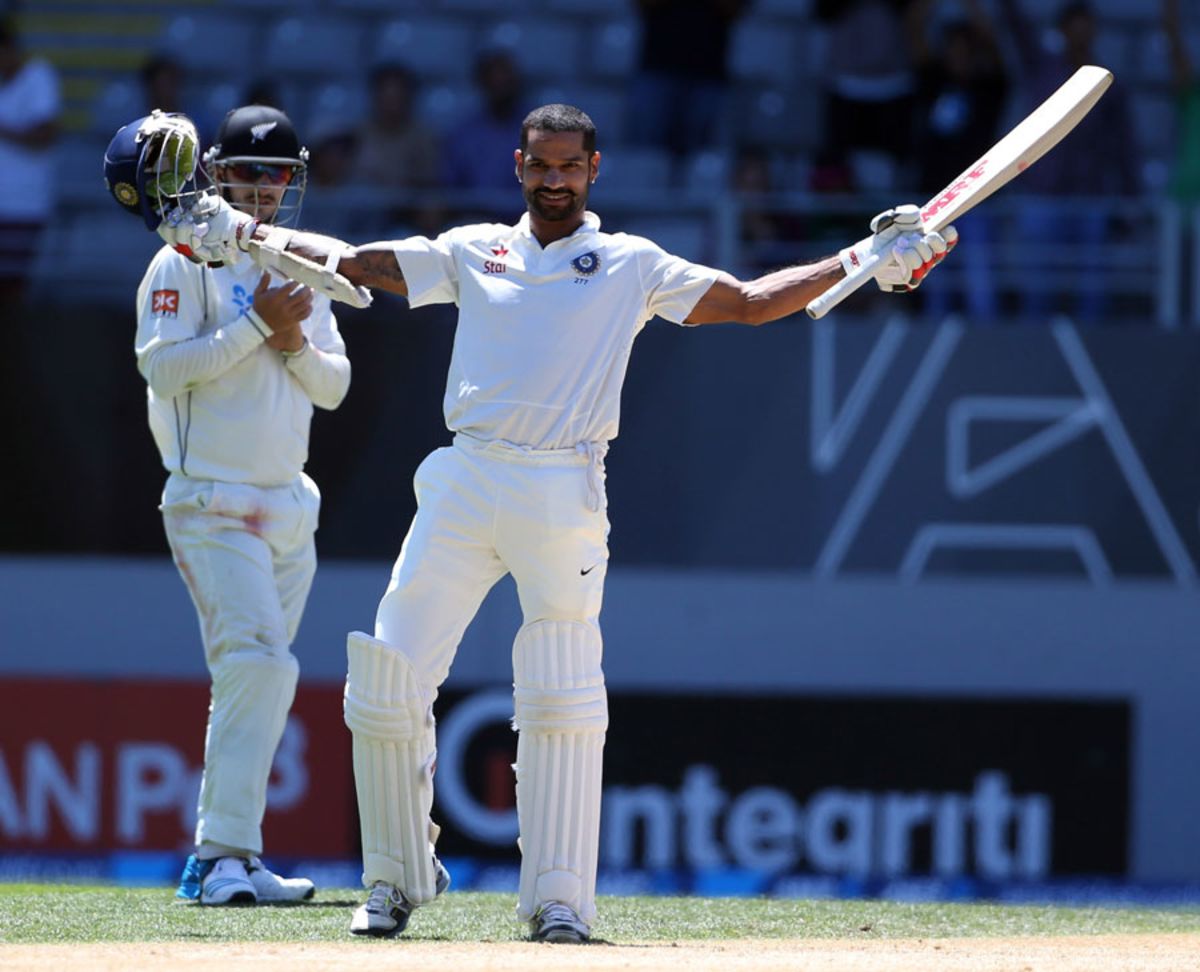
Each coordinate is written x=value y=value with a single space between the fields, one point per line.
x=587 y=264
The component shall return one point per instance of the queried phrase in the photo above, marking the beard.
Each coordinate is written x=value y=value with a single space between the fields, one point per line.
x=571 y=206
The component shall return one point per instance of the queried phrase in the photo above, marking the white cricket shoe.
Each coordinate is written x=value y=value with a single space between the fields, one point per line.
x=272 y=887
x=557 y=922
x=227 y=882
x=386 y=911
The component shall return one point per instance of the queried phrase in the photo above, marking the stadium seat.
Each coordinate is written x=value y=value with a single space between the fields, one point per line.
x=443 y=105
x=786 y=118
x=708 y=172
x=1154 y=122
x=591 y=8
x=119 y=103
x=545 y=50
x=206 y=43
x=390 y=7
x=604 y=105
x=349 y=101
x=1112 y=49
x=439 y=47
x=108 y=272
x=280 y=6
x=688 y=237
x=629 y=169
x=488 y=6
x=614 y=47
x=77 y=158
x=762 y=51
x=329 y=46
x=794 y=9
x=1152 y=59
x=1145 y=12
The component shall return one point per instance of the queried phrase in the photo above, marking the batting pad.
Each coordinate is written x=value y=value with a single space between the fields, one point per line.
x=394 y=753
x=561 y=715
x=251 y=695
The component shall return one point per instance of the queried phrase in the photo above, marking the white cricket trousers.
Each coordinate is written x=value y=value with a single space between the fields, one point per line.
x=247 y=556
x=485 y=509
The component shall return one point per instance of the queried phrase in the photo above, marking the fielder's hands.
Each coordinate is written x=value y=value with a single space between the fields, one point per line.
x=208 y=232
x=282 y=309
x=908 y=252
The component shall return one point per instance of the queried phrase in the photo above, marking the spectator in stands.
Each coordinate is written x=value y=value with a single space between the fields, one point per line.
x=263 y=91
x=1184 y=185
x=332 y=158
x=1096 y=162
x=961 y=94
x=681 y=82
x=396 y=150
x=869 y=88
x=483 y=158
x=1185 y=171
x=162 y=78
x=769 y=237
x=30 y=107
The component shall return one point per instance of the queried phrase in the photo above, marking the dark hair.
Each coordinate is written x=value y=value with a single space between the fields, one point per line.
x=156 y=64
x=386 y=70
x=559 y=118
x=1072 y=9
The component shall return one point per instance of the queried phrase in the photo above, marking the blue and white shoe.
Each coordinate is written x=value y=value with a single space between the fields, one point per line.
x=194 y=871
x=227 y=882
x=271 y=887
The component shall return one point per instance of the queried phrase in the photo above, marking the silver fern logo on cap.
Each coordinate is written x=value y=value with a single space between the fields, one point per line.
x=261 y=130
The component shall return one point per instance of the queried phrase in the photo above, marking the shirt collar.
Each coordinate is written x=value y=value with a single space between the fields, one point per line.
x=590 y=224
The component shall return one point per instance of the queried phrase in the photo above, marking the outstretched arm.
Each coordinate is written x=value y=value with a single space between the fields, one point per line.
x=899 y=249
x=766 y=298
x=372 y=265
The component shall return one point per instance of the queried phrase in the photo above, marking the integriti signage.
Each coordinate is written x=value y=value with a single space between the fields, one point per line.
x=998 y=790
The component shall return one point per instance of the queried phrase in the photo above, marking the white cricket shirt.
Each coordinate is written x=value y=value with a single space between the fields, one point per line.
x=222 y=404
x=544 y=334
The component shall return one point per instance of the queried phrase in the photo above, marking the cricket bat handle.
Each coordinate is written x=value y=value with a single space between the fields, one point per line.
x=821 y=305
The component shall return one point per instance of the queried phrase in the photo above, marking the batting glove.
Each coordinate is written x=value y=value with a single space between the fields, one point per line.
x=207 y=232
x=908 y=252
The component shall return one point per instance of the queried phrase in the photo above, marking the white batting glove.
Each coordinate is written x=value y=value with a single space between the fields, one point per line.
x=207 y=232
x=908 y=252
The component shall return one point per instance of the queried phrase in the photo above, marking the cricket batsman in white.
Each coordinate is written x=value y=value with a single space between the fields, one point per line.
x=548 y=311
x=234 y=358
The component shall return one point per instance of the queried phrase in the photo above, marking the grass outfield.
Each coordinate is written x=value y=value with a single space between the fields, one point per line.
x=59 y=914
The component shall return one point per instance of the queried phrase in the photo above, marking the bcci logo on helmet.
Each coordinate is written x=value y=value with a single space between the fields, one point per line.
x=587 y=264
x=125 y=193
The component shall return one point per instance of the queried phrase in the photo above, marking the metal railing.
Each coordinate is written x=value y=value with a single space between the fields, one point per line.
x=1109 y=260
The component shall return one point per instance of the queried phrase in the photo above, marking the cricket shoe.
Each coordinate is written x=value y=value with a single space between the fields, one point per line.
x=226 y=883
x=558 y=923
x=386 y=911
x=272 y=887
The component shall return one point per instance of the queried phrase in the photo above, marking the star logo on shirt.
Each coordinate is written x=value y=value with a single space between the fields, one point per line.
x=500 y=251
x=165 y=303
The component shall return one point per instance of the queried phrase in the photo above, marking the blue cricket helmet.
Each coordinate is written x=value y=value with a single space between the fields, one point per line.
x=140 y=164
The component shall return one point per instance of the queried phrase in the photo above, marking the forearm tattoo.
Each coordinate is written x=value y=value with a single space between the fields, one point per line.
x=376 y=268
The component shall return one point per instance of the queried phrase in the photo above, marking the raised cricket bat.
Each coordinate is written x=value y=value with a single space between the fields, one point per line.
x=1039 y=132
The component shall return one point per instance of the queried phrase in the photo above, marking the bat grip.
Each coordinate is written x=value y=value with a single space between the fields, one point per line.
x=822 y=304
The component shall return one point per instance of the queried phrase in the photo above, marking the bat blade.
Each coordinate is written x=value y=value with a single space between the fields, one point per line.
x=1033 y=137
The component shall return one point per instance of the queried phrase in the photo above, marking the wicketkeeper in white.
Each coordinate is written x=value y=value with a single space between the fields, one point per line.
x=235 y=359
x=548 y=311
